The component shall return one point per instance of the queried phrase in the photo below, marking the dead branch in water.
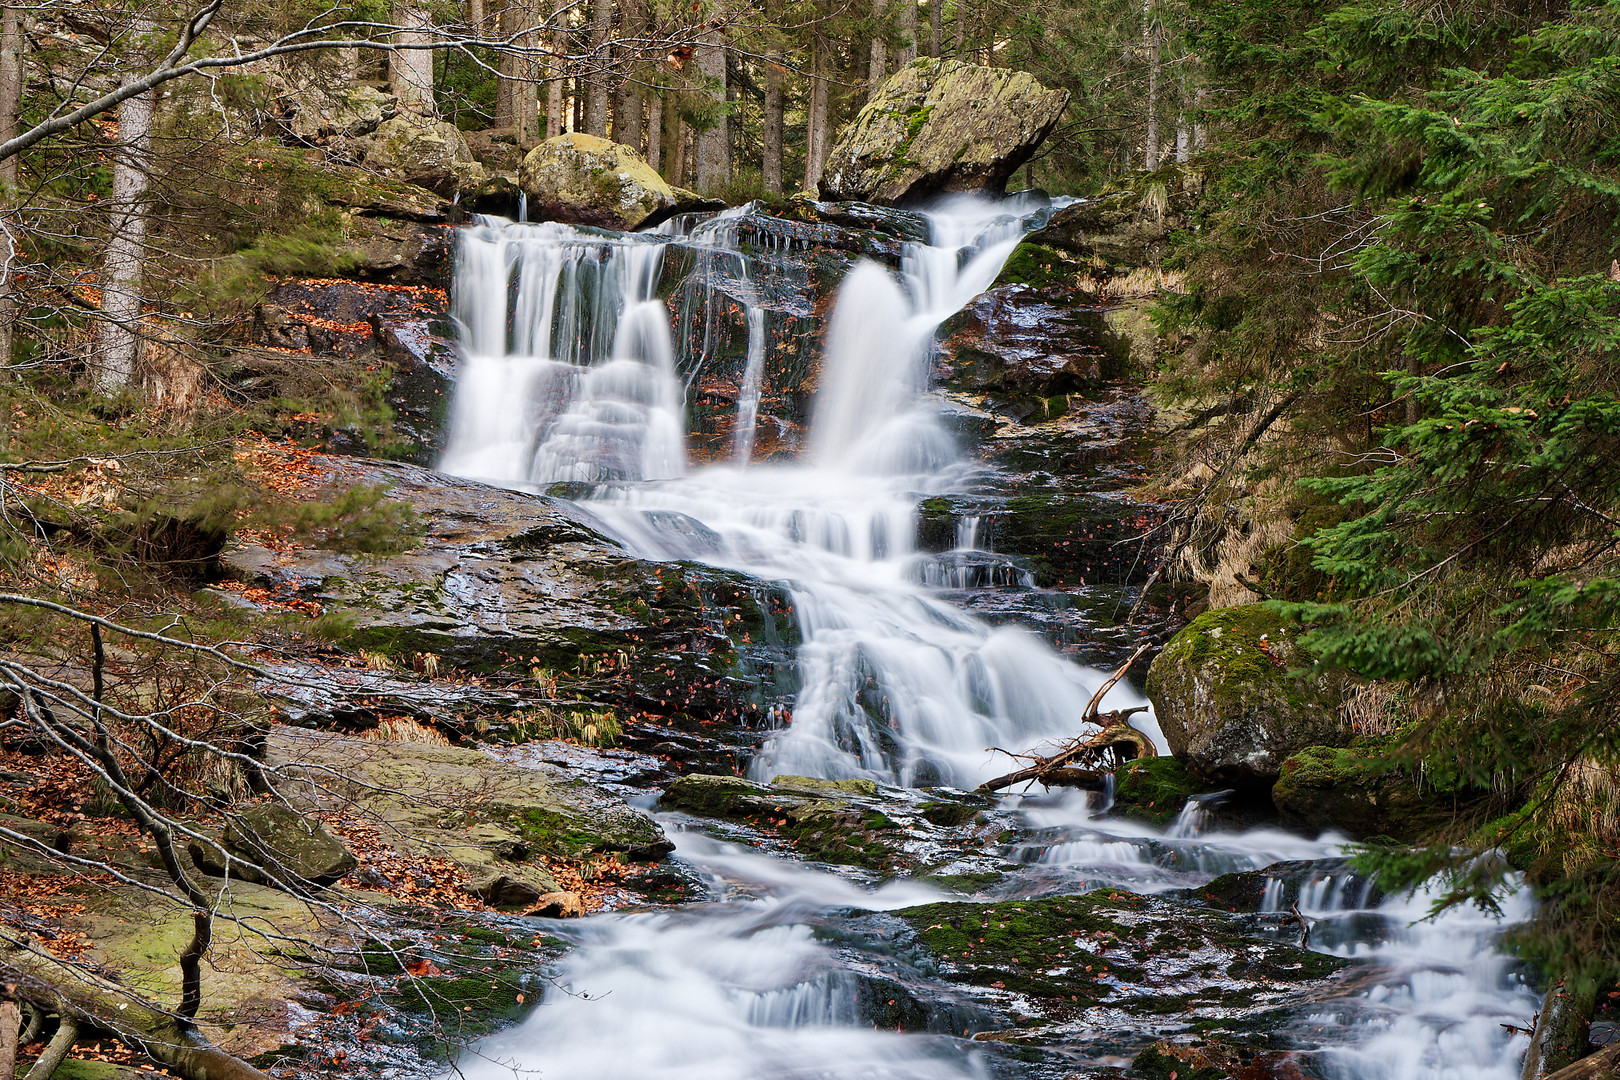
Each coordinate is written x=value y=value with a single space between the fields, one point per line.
x=1103 y=750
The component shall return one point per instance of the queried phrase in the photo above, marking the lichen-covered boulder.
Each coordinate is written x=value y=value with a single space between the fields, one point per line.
x=348 y=111
x=587 y=180
x=1232 y=704
x=941 y=126
x=430 y=153
x=292 y=849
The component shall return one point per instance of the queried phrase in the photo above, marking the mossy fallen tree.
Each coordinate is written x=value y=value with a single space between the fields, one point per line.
x=93 y=1002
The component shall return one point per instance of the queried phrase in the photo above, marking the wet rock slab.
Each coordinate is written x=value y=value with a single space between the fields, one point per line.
x=1089 y=979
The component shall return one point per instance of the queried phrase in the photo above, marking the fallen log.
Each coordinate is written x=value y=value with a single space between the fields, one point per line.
x=73 y=991
x=1111 y=743
x=1603 y=1065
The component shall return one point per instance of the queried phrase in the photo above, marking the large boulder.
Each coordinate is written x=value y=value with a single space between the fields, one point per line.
x=292 y=850
x=586 y=180
x=941 y=126
x=430 y=153
x=1365 y=789
x=1233 y=705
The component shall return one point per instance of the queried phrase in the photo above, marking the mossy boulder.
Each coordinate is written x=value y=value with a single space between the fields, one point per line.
x=1364 y=789
x=941 y=126
x=1154 y=789
x=588 y=180
x=292 y=849
x=430 y=153
x=1232 y=701
x=1121 y=228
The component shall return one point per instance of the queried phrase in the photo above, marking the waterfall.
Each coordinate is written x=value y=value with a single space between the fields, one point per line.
x=898 y=684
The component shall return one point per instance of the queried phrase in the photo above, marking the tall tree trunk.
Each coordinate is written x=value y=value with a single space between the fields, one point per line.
x=1150 y=51
x=771 y=163
x=475 y=16
x=627 y=102
x=1183 y=140
x=10 y=103
x=556 y=104
x=906 y=20
x=508 y=18
x=596 y=93
x=815 y=135
x=713 y=142
x=410 y=70
x=878 y=63
x=578 y=99
x=936 y=26
x=674 y=139
x=10 y=86
x=1200 y=130
x=655 y=131
x=117 y=342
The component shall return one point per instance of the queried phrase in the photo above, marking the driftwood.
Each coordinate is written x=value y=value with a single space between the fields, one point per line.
x=1116 y=743
x=80 y=996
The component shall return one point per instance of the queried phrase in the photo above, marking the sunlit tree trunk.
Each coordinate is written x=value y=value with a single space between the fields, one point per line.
x=713 y=142
x=410 y=70
x=116 y=344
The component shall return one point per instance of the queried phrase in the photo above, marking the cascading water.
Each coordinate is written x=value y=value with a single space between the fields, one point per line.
x=570 y=375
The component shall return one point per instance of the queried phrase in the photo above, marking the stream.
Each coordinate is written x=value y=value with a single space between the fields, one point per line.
x=574 y=384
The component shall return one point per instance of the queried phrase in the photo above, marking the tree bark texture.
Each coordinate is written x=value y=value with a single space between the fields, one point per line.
x=936 y=27
x=775 y=99
x=628 y=101
x=598 y=73
x=507 y=16
x=815 y=135
x=878 y=55
x=906 y=22
x=1150 y=51
x=1603 y=1065
x=115 y=349
x=410 y=71
x=10 y=1029
x=713 y=142
x=655 y=131
x=10 y=87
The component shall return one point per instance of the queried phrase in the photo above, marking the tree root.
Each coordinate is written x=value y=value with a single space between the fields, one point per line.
x=81 y=997
x=1116 y=743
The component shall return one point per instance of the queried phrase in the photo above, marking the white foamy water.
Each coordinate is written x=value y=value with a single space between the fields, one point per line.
x=570 y=375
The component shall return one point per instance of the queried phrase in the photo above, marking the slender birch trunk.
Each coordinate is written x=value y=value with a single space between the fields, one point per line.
x=116 y=344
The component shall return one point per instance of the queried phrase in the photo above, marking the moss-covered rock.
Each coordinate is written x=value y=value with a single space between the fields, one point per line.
x=430 y=153
x=1365 y=790
x=590 y=181
x=1154 y=789
x=292 y=849
x=1231 y=702
x=1122 y=228
x=938 y=126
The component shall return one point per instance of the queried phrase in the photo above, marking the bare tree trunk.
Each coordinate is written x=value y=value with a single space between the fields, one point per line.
x=596 y=94
x=11 y=43
x=655 y=131
x=115 y=349
x=961 y=28
x=410 y=71
x=879 y=52
x=628 y=102
x=475 y=15
x=907 y=22
x=674 y=139
x=10 y=1025
x=936 y=26
x=1183 y=140
x=578 y=105
x=771 y=164
x=1200 y=131
x=10 y=86
x=714 y=143
x=815 y=124
x=507 y=14
x=1150 y=50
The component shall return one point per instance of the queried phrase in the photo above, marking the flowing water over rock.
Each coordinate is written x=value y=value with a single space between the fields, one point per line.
x=573 y=377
